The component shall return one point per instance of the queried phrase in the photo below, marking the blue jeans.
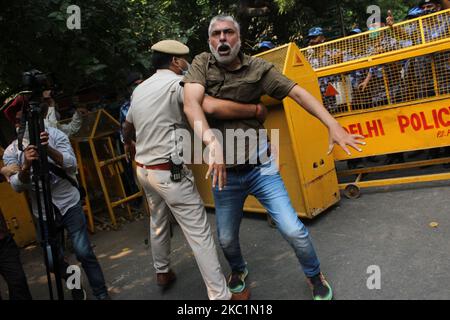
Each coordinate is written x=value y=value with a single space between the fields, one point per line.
x=74 y=221
x=270 y=191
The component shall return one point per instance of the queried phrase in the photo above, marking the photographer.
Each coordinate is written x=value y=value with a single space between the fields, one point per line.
x=65 y=196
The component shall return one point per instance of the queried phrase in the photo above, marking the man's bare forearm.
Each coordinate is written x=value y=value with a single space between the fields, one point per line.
x=128 y=132
x=56 y=156
x=312 y=105
x=226 y=109
x=193 y=100
x=197 y=121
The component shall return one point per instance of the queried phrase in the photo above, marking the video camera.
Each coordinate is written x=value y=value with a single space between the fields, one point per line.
x=35 y=80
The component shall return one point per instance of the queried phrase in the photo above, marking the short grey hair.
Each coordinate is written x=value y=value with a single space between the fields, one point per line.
x=223 y=18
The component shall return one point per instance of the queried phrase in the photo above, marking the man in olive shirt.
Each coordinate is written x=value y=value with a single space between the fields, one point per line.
x=226 y=73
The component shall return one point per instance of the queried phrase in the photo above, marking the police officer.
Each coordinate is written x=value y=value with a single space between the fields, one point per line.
x=156 y=112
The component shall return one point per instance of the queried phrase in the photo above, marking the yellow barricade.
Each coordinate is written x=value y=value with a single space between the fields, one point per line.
x=391 y=85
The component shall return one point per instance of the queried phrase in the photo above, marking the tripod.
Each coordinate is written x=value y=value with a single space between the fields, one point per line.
x=32 y=115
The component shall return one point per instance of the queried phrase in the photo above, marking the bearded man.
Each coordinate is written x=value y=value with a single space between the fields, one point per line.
x=227 y=73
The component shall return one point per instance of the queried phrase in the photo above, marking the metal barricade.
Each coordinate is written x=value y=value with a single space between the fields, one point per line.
x=391 y=85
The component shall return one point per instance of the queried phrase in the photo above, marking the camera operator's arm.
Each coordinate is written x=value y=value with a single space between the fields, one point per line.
x=19 y=181
x=29 y=154
x=7 y=171
x=60 y=149
x=54 y=154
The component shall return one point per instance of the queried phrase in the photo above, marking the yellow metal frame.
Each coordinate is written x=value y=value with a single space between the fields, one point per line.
x=113 y=164
x=398 y=126
x=352 y=189
x=372 y=60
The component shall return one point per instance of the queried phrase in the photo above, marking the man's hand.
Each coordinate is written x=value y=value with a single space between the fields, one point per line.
x=30 y=154
x=363 y=85
x=10 y=170
x=54 y=154
x=47 y=95
x=82 y=111
x=390 y=21
x=339 y=136
x=130 y=150
x=216 y=165
x=261 y=113
x=44 y=138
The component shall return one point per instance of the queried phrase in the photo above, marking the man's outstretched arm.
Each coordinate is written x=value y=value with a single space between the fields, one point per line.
x=337 y=134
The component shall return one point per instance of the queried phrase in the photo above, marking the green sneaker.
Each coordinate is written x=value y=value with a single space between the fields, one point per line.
x=321 y=289
x=236 y=281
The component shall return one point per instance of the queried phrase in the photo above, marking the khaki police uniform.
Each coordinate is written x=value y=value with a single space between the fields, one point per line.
x=156 y=110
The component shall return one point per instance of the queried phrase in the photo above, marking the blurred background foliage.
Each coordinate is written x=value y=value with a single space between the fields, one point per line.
x=116 y=35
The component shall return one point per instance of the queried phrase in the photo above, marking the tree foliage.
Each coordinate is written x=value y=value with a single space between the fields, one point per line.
x=116 y=35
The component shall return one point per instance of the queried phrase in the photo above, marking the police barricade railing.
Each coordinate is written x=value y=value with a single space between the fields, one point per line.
x=425 y=30
x=397 y=97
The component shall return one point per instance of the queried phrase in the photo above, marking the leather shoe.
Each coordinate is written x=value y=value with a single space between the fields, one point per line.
x=244 y=295
x=165 y=279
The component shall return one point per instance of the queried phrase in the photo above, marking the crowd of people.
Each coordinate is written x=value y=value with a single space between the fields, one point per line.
x=392 y=83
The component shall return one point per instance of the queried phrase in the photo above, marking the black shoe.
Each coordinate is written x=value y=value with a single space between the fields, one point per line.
x=78 y=294
x=104 y=296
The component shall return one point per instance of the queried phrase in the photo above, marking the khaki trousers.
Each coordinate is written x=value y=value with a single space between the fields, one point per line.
x=182 y=198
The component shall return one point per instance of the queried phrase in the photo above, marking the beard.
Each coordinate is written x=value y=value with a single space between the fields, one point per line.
x=233 y=52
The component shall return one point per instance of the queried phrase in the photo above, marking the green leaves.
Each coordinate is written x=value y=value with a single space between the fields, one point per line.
x=116 y=35
x=57 y=15
x=285 y=5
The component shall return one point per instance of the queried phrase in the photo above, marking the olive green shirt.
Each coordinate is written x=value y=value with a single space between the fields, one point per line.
x=255 y=78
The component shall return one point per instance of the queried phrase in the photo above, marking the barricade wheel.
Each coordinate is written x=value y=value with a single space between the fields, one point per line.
x=352 y=191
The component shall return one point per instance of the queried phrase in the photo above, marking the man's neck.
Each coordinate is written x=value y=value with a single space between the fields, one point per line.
x=234 y=65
